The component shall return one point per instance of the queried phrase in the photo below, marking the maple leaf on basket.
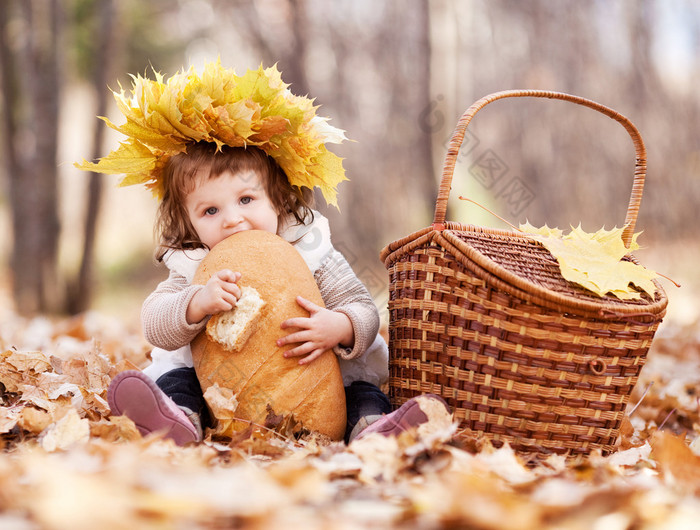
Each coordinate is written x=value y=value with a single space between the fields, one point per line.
x=594 y=261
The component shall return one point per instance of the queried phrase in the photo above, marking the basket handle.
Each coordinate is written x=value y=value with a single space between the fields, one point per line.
x=640 y=167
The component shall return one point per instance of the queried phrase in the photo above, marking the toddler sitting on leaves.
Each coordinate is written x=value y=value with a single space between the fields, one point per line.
x=242 y=153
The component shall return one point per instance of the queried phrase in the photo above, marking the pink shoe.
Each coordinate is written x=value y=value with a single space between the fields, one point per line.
x=424 y=413
x=135 y=395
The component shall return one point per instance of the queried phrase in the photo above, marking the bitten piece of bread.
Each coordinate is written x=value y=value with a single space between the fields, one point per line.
x=233 y=328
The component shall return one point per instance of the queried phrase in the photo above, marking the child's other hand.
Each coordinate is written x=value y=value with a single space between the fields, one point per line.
x=219 y=294
x=320 y=331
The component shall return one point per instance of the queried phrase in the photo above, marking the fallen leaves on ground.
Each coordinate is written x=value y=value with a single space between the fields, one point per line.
x=66 y=463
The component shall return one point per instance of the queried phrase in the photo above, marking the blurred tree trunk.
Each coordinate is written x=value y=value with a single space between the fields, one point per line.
x=291 y=57
x=81 y=288
x=279 y=32
x=30 y=69
x=401 y=150
x=381 y=92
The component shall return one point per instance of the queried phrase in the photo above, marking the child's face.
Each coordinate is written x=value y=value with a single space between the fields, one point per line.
x=232 y=202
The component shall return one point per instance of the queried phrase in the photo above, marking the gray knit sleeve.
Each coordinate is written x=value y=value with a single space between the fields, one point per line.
x=343 y=291
x=163 y=314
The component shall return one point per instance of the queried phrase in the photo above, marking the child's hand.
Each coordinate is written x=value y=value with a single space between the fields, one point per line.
x=219 y=294
x=320 y=331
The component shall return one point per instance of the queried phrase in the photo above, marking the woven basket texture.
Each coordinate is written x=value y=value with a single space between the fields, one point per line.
x=483 y=318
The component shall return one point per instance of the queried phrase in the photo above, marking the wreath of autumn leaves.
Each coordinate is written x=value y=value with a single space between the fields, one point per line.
x=165 y=116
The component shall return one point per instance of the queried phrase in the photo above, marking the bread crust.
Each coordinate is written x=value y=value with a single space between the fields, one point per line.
x=258 y=373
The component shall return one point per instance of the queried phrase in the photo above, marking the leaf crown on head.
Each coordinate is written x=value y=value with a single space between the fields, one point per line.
x=164 y=116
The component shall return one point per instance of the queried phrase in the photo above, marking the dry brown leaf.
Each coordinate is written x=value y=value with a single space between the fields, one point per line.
x=69 y=430
x=676 y=462
x=222 y=405
x=631 y=456
x=379 y=458
x=32 y=362
x=36 y=396
x=122 y=366
x=18 y=369
x=116 y=429
x=90 y=370
x=9 y=416
x=35 y=420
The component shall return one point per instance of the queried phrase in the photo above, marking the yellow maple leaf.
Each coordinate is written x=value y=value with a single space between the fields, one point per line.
x=145 y=135
x=328 y=172
x=130 y=157
x=594 y=261
x=270 y=127
x=261 y=85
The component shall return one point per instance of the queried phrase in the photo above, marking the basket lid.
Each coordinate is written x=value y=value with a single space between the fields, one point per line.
x=523 y=267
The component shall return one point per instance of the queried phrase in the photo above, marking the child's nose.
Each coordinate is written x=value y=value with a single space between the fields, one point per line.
x=232 y=217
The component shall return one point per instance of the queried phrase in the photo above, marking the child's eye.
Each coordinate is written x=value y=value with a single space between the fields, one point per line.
x=211 y=211
x=246 y=200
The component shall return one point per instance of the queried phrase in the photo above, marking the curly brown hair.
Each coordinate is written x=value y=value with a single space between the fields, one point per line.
x=173 y=228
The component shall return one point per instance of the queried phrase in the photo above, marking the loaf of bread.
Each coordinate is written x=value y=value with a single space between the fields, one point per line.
x=248 y=361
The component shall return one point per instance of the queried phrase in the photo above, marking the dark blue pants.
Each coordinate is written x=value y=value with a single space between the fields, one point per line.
x=182 y=386
x=364 y=399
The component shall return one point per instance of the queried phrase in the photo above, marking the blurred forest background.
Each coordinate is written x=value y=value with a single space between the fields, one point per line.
x=396 y=75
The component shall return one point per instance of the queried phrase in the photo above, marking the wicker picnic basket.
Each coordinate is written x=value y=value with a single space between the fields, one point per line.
x=483 y=318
